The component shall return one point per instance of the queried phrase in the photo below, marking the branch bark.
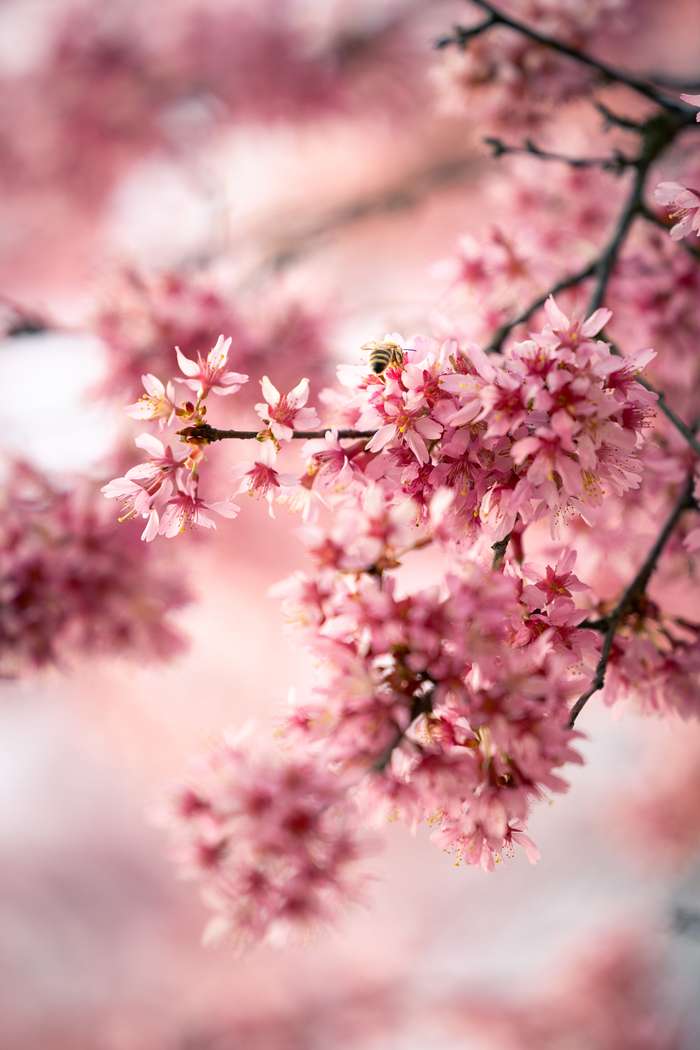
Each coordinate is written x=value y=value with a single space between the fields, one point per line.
x=630 y=598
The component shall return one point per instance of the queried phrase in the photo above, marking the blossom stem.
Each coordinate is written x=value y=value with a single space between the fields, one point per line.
x=629 y=600
x=616 y=162
x=611 y=74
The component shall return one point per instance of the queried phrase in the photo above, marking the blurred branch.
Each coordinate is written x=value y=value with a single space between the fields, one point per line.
x=17 y=320
x=389 y=200
x=495 y=17
x=570 y=281
x=630 y=600
x=675 y=83
x=616 y=162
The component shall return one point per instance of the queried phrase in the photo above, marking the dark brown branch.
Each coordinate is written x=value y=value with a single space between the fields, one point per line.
x=629 y=602
x=570 y=281
x=206 y=434
x=390 y=200
x=610 y=74
x=615 y=163
x=657 y=135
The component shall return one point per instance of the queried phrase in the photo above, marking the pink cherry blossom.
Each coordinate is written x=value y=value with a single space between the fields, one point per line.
x=285 y=413
x=157 y=403
x=187 y=508
x=262 y=479
x=682 y=204
x=209 y=374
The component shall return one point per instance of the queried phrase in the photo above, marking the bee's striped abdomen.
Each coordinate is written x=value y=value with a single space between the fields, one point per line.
x=381 y=355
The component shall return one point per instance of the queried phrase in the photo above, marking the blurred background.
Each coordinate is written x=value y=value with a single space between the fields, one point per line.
x=303 y=175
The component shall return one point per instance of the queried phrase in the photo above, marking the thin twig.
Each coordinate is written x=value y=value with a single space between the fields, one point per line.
x=632 y=595
x=658 y=134
x=569 y=281
x=615 y=163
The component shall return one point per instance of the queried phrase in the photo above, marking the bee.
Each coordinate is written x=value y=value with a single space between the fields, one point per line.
x=383 y=354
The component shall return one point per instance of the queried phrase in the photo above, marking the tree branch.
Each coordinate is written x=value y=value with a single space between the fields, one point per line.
x=496 y=17
x=632 y=595
x=206 y=434
x=615 y=163
x=569 y=281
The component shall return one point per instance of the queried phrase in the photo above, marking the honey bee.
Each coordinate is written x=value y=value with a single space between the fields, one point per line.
x=383 y=354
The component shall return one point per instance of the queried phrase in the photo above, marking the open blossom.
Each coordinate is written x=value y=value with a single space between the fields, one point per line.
x=210 y=373
x=682 y=204
x=157 y=403
x=261 y=479
x=187 y=508
x=285 y=413
x=272 y=839
x=145 y=488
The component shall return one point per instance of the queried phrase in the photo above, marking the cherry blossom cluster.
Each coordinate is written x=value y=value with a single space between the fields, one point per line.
x=273 y=840
x=455 y=698
x=549 y=429
x=513 y=78
x=656 y=661
x=450 y=705
x=73 y=585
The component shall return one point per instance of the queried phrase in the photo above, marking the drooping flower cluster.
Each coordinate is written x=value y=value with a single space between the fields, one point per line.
x=272 y=839
x=71 y=584
x=448 y=705
x=455 y=698
x=657 y=665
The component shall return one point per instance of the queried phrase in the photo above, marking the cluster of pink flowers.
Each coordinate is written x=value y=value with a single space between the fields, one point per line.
x=657 y=665
x=548 y=429
x=447 y=705
x=272 y=839
x=71 y=584
x=455 y=698
x=515 y=78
